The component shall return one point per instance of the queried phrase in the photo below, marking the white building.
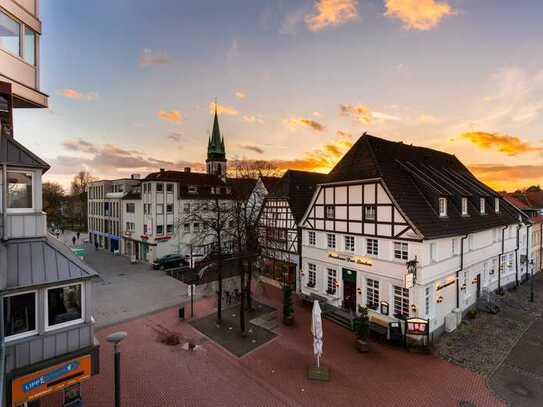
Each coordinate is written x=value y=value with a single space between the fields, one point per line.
x=387 y=203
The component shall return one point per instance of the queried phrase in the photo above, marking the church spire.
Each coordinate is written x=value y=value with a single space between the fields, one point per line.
x=216 y=153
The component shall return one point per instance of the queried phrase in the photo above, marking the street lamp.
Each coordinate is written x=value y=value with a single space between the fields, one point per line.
x=115 y=339
x=531 y=280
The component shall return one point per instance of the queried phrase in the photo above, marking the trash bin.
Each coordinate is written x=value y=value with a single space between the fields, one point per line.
x=182 y=313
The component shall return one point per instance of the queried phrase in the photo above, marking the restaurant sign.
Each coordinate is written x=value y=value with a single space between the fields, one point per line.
x=50 y=380
x=364 y=261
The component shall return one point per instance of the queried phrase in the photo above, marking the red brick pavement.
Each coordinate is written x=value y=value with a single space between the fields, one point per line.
x=273 y=375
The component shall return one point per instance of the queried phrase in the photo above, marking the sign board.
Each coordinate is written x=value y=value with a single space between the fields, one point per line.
x=364 y=261
x=417 y=326
x=50 y=380
x=79 y=252
x=72 y=395
x=384 y=307
x=409 y=280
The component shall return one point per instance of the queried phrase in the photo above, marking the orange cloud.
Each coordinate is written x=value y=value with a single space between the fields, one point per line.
x=418 y=14
x=252 y=119
x=295 y=123
x=172 y=116
x=510 y=145
x=331 y=12
x=223 y=109
x=360 y=112
x=508 y=178
x=240 y=95
x=74 y=94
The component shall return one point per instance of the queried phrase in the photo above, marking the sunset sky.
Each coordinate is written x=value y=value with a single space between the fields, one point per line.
x=297 y=81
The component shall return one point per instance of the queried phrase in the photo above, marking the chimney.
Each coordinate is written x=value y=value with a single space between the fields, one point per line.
x=134 y=176
x=187 y=169
x=162 y=170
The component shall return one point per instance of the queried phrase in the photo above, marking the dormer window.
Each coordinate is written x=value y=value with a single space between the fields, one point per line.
x=464 y=206
x=482 y=206
x=497 y=205
x=19 y=191
x=442 y=207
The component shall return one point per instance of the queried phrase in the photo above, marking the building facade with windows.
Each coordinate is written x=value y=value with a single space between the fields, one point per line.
x=279 y=233
x=46 y=315
x=387 y=205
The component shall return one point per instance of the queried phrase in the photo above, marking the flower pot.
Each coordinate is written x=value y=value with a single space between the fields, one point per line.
x=362 y=346
x=288 y=321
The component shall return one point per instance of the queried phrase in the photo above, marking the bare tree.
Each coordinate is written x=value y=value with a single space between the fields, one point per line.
x=79 y=186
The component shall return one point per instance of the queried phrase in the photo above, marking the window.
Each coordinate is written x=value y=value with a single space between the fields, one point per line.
x=400 y=250
x=159 y=229
x=311 y=275
x=372 y=293
x=482 y=204
x=401 y=301
x=64 y=305
x=464 y=206
x=130 y=207
x=160 y=209
x=19 y=190
x=497 y=205
x=329 y=212
x=186 y=208
x=433 y=252
x=159 y=187
x=332 y=283
x=427 y=301
x=349 y=243
x=331 y=240
x=442 y=207
x=169 y=228
x=10 y=32
x=19 y=315
x=369 y=212
x=169 y=208
x=311 y=238
x=372 y=247
x=169 y=187
x=186 y=227
x=196 y=227
x=29 y=48
x=145 y=229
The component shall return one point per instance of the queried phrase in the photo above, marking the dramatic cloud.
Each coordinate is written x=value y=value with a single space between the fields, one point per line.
x=172 y=115
x=509 y=178
x=253 y=148
x=344 y=134
x=240 y=95
x=253 y=119
x=418 y=14
x=76 y=95
x=223 y=109
x=296 y=123
x=149 y=58
x=331 y=12
x=510 y=145
x=363 y=114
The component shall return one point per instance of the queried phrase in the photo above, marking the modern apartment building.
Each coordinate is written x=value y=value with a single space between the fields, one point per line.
x=47 y=341
x=409 y=232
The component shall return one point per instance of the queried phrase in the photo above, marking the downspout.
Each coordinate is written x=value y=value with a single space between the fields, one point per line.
x=500 y=262
x=516 y=255
x=459 y=270
x=527 y=248
x=4 y=202
x=540 y=244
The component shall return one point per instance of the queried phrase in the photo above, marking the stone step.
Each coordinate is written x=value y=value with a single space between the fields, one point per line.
x=339 y=319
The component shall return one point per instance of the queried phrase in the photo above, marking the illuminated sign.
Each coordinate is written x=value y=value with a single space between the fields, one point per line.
x=364 y=261
x=417 y=326
x=38 y=384
x=409 y=280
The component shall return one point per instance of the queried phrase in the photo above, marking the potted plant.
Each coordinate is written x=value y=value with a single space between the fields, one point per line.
x=288 y=307
x=361 y=327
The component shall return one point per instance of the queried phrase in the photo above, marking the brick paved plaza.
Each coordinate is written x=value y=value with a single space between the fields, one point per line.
x=155 y=374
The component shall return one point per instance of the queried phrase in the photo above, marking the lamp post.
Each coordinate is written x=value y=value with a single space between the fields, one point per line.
x=115 y=339
x=532 y=280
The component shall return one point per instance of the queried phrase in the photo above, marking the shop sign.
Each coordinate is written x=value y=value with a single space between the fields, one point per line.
x=384 y=307
x=364 y=261
x=162 y=238
x=442 y=286
x=50 y=380
x=409 y=280
x=417 y=326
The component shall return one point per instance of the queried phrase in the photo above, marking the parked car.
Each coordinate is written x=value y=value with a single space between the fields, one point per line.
x=169 y=261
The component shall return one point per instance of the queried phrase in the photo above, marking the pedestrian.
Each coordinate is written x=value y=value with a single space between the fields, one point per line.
x=73 y=240
x=95 y=244
x=78 y=236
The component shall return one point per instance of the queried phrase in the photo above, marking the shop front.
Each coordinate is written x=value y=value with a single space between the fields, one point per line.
x=279 y=272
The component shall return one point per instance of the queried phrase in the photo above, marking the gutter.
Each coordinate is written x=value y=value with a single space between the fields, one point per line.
x=459 y=270
x=500 y=257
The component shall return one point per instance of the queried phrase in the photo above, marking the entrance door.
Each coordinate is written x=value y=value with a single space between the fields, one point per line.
x=349 y=290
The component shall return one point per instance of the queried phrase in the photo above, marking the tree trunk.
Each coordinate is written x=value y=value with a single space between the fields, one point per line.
x=242 y=300
x=219 y=275
x=248 y=286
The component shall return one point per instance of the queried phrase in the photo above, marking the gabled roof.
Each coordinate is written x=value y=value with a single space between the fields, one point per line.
x=298 y=187
x=242 y=187
x=42 y=261
x=15 y=154
x=270 y=182
x=185 y=178
x=416 y=177
x=517 y=201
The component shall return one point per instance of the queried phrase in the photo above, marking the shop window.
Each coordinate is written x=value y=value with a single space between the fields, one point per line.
x=159 y=229
x=369 y=212
x=20 y=315
x=64 y=305
x=19 y=190
x=331 y=240
x=311 y=275
x=372 y=247
x=372 y=293
x=400 y=251
x=332 y=282
x=349 y=243
x=401 y=301
x=311 y=238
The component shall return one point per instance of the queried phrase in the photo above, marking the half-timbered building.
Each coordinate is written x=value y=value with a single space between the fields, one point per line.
x=388 y=205
x=280 y=214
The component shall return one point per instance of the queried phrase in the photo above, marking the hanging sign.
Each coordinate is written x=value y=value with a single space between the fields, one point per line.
x=408 y=280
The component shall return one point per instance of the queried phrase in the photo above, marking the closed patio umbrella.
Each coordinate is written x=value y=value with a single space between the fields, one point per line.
x=316 y=330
